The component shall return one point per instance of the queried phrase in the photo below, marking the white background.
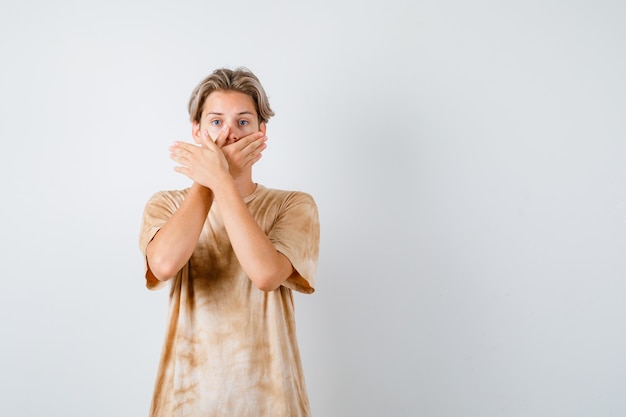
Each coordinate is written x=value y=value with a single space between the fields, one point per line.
x=467 y=159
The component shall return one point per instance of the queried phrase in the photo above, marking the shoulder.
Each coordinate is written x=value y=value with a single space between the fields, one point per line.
x=168 y=200
x=285 y=198
x=169 y=195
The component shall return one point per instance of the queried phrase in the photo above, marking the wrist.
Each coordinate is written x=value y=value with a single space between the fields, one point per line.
x=225 y=184
x=201 y=190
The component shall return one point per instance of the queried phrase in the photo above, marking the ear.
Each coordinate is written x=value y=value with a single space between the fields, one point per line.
x=195 y=132
x=263 y=127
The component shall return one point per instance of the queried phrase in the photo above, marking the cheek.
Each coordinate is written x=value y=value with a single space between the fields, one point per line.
x=248 y=129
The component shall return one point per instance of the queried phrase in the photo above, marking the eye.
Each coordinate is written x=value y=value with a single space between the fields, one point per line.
x=243 y=122
x=216 y=122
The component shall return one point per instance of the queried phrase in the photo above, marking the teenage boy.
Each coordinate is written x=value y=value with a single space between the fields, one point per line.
x=233 y=251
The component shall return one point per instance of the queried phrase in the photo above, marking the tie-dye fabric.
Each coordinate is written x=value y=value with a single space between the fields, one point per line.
x=230 y=349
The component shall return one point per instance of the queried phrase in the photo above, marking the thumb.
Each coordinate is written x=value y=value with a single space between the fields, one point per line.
x=222 y=137
x=207 y=141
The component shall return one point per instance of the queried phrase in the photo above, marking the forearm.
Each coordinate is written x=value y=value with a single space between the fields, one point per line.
x=174 y=243
x=263 y=264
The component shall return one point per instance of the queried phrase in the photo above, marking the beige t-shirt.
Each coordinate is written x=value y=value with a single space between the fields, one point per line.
x=230 y=349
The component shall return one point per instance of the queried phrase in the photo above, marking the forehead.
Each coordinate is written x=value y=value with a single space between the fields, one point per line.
x=228 y=102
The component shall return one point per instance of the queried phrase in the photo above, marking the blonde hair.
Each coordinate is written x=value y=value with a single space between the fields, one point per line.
x=223 y=79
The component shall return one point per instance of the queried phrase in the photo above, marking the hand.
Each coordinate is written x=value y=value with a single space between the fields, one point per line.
x=204 y=164
x=243 y=153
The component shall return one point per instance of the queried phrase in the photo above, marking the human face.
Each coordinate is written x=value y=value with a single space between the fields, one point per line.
x=231 y=109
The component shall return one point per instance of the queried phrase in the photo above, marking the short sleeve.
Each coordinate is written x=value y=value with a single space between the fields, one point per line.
x=296 y=234
x=157 y=212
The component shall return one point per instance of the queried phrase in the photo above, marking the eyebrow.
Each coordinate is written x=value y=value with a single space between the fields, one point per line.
x=221 y=114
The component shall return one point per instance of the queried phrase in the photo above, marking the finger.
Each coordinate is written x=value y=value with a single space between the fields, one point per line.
x=222 y=137
x=252 y=153
x=180 y=157
x=183 y=146
x=178 y=154
x=205 y=138
x=182 y=170
x=250 y=139
x=248 y=148
x=254 y=148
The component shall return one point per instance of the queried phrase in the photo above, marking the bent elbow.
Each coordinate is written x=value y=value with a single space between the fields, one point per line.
x=267 y=287
x=265 y=283
x=271 y=276
x=161 y=269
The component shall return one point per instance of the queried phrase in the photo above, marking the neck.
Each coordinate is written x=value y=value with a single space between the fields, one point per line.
x=245 y=186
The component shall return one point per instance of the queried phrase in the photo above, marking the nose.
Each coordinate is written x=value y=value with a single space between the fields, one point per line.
x=233 y=133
